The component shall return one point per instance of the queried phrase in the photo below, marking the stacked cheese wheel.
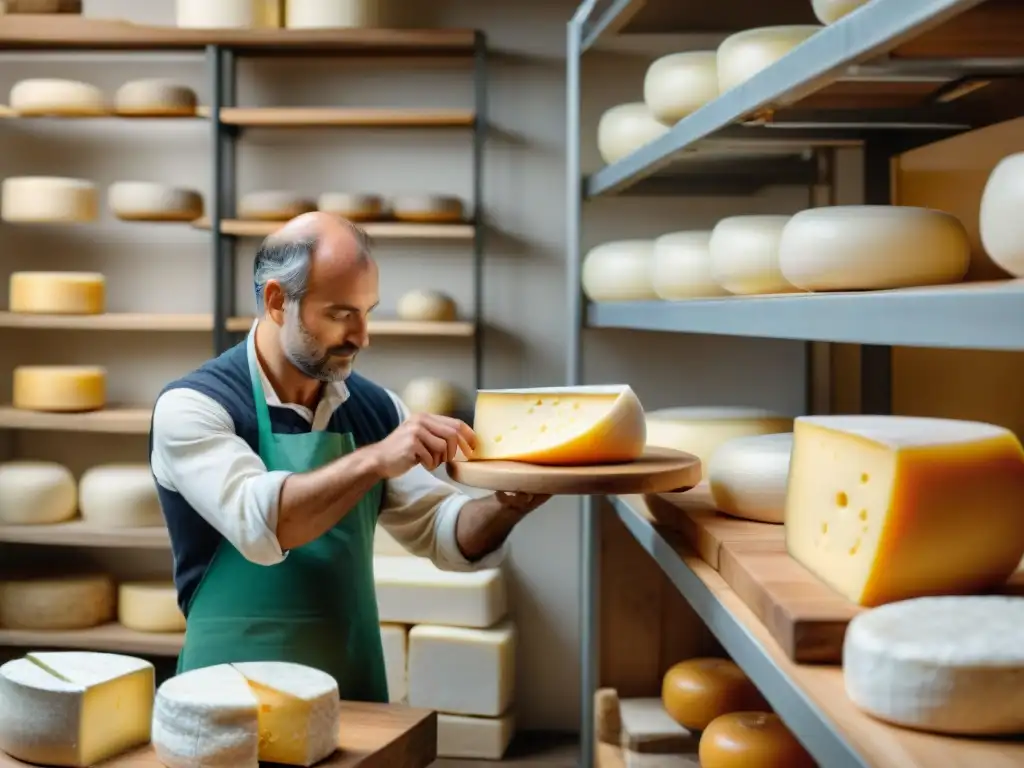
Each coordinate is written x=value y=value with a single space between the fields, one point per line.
x=52 y=97
x=743 y=55
x=427 y=306
x=48 y=199
x=57 y=293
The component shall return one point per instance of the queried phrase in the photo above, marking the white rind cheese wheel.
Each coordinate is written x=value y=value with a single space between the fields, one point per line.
x=619 y=271
x=59 y=98
x=681 y=266
x=743 y=55
x=428 y=209
x=425 y=306
x=49 y=199
x=351 y=205
x=679 y=84
x=315 y=14
x=149 y=607
x=745 y=255
x=222 y=14
x=273 y=205
x=748 y=476
x=36 y=493
x=430 y=395
x=60 y=388
x=155 y=98
x=474 y=738
x=58 y=293
x=622 y=130
x=149 y=201
x=951 y=665
x=831 y=11
x=1001 y=220
x=873 y=247
x=64 y=603
x=120 y=496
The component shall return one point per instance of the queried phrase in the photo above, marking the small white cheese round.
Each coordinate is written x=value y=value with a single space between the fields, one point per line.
x=622 y=130
x=58 y=98
x=743 y=55
x=60 y=388
x=273 y=205
x=831 y=11
x=319 y=14
x=58 y=293
x=155 y=97
x=426 y=306
x=430 y=395
x=619 y=271
x=120 y=496
x=679 y=84
x=745 y=254
x=748 y=476
x=150 y=201
x=1002 y=214
x=428 y=209
x=36 y=493
x=681 y=266
x=221 y=14
x=48 y=199
x=352 y=205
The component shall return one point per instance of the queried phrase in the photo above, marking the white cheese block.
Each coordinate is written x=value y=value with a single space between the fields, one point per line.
x=273 y=205
x=474 y=738
x=426 y=306
x=430 y=395
x=385 y=544
x=216 y=14
x=1000 y=221
x=395 y=639
x=950 y=665
x=150 y=201
x=623 y=129
x=155 y=97
x=873 y=247
x=60 y=388
x=352 y=206
x=744 y=54
x=312 y=14
x=58 y=293
x=412 y=590
x=70 y=602
x=120 y=496
x=831 y=11
x=748 y=476
x=149 y=607
x=681 y=266
x=53 y=97
x=36 y=493
x=429 y=209
x=462 y=671
x=619 y=271
x=48 y=199
x=679 y=84
x=745 y=254
x=74 y=708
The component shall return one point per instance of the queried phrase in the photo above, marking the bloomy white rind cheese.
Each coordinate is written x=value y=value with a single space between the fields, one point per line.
x=426 y=306
x=951 y=665
x=223 y=14
x=681 y=266
x=1001 y=221
x=59 y=603
x=120 y=496
x=430 y=395
x=831 y=11
x=273 y=205
x=619 y=271
x=57 y=293
x=748 y=476
x=60 y=389
x=351 y=205
x=744 y=54
x=149 y=607
x=622 y=130
x=150 y=201
x=155 y=97
x=36 y=493
x=679 y=84
x=49 y=200
x=745 y=255
x=412 y=590
x=58 y=98
x=428 y=209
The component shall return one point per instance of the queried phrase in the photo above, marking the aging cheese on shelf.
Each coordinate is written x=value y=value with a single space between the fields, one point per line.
x=831 y=11
x=751 y=740
x=873 y=247
x=155 y=97
x=60 y=388
x=216 y=14
x=430 y=395
x=560 y=426
x=310 y=14
x=273 y=205
x=48 y=199
x=622 y=130
x=679 y=84
x=681 y=267
x=74 y=708
x=36 y=493
x=428 y=209
x=474 y=738
x=149 y=607
x=748 y=476
x=1000 y=222
x=412 y=590
x=150 y=201
x=744 y=54
x=745 y=254
x=69 y=602
x=426 y=306
x=58 y=98
x=395 y=639
x=697 y=691
x=234 y=715
x=944 y=664
x=58 y=293
x=886 y=508
x=352 y=206
x=462 y=671
x=619 y=271
x=119 y=496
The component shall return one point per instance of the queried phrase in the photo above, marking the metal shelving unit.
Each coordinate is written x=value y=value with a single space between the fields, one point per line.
x=962 y=59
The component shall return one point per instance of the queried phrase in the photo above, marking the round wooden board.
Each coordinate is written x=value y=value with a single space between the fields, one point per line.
x=659 y=470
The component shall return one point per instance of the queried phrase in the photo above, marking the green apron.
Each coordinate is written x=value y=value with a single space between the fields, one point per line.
x=318 y=607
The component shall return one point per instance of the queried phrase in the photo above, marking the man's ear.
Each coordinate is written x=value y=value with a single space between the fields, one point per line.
x=273 y=301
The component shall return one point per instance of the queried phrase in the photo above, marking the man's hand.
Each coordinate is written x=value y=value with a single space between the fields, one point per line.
x=520 y=503
x=422 y=439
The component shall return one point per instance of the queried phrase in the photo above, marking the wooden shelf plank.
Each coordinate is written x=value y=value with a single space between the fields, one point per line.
x=109 y=637
x=110 y=321
x=344 y=117
x=115 y=420
x=385 y=230
x=78 y=533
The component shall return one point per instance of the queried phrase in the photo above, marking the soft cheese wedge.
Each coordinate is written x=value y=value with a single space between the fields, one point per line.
x=74 y=708
x=885 y=508
x=560 y=425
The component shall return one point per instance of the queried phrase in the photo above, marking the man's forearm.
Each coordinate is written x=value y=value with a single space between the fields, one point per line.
x=483 y=525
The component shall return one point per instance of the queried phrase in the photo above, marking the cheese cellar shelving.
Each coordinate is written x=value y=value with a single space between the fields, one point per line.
x=889 y=77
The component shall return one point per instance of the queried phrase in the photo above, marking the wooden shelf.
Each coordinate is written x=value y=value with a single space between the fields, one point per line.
x=115 y=420
x=110 y=321
x=385 y=230
x=109 y=637
x=78 y=533
x=343 y=117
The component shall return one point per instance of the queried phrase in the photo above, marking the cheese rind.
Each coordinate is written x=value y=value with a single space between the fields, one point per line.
x=155 y=97
x=619 y=271
x=745 y=255
x=120 y=496
x=412 y=590
x=831 y=11
x=886 y=508
x=1000 y=221
x=48 y=199
x=748 y=477
x=60 y=389
x=428 y=209
x=681 y=267
x=149 y=607
x=273 y=205
x=395 y=639
x=149 y=201
x=430 y=395
x=744 y=54
x=59 y=603
x=58 y=293
x=474 y=738
x=696 y=691
x=426 y=306
x=623 y=129
x=751 y=740
x=352 y=206
x=679 y=84
x=58 y=98
x=36 y=493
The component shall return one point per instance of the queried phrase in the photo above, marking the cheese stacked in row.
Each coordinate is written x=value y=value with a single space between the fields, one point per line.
x=281 y=205
x=269 y=14
x=51 y=97
x=55 y=200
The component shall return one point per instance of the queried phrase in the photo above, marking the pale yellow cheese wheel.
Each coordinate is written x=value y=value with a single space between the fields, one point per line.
x=36 y=493
x=623 y=129
x=430 y=395
x=428 y=209
x=155 y=97
x=619 y=271
x=152 y=201
x=426 y=306
x=353 y=206
x=273 y=205
x=1001 y=219
x=679 y=84
x=57 y=98
x=831 y=11
x=58 y=293
x=120 y=496
x=149 y=607
x=745 y=54
x=60 y=603
x=61 y=389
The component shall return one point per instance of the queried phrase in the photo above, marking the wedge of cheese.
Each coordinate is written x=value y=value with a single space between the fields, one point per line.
x=560 y=425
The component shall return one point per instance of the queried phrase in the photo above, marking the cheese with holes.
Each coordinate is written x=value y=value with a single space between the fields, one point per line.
x=619 y=271
x=351 y=205
x=831 y=11
x=68 y=602
x=679 y=84
x=623 y=129
x=36 y=493
x=873 y=247
x=745 y=254
x=748 y=476
x=216 y=14
x=120 y=496
x=149 y=607
x=1000 y=221
x=474 y=738
x=60 y=388
x=428 y=209
x=430 y=395
x=462 y=671
x=751 y=740
x=696 y=691
x=58 y=293
x=950 y=665
x=395 y=639
x=744 y=54
x=48 y=199
x=155 y=97
x=273 y=205
x=560 y=425
x=233 y=715
x=412 y=590
x=886 y=508
x=426 y=306
x=54 y=97
x=74 y=708
x=150 y=201
x=311 y=14
x=681 y=267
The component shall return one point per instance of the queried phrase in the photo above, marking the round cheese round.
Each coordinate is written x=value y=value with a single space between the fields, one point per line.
x=313 y=14
x=428 y=209
x=58 y=293
x=223 y=14
x=426 y=306
x=1001 y=220
x=60 y=388
x=622 y=130
x=748 y=476
x=619 y=271
x=873 y=247
x=155 y=97
x=697 y=691
x=429 y=395
x=36 y=493
x=273 y=205
x=679 y=84
x=149 y=201
x=48 y=199
x=63 y=603
x=743 y=55
x=831 y=11
x=950 y=665
x=119 y=496
x=751 y=740
x=149 y=607
x=745 y=254
x=352 y=206
x=57 y=98
x=681 y=266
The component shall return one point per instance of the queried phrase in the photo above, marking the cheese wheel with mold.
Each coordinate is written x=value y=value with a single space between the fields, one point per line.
x=745 y=255
x=273 y=205
x=57 y=293
x=426 y=306
x=831 y=11
x=696 y=691
x=1001 y=221
x=155 y=97
x=619 y=271
x=623 y=129
x=151 y=201
x=36 y=493
x=679 y=84
x=681 y=267
x=751 y=740
x=39 y=97
x=49 y=200
x=352 y=205
x=57 y=603
x=744 y=54
x=428 y=209
x=60 y=388
x=120 y=496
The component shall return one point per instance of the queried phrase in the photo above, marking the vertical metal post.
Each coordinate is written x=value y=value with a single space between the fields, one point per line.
x=876 y=360
x=221 y=64
x=818 y=354
x=480 y=127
